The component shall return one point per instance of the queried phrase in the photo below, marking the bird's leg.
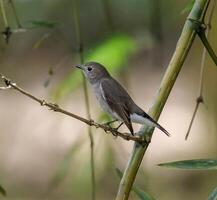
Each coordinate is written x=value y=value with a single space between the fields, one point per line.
x=119 y=126
x=116 y=129
x=110 y=122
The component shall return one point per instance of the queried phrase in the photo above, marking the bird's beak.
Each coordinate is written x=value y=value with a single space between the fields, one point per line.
x=79 y=67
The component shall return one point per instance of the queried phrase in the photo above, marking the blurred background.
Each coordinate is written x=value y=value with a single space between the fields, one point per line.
x=46 y=155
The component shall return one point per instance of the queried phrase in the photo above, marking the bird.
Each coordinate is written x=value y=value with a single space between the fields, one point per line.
x=114 y=99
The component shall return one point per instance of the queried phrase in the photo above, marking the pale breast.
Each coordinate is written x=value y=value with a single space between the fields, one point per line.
x=100 y=98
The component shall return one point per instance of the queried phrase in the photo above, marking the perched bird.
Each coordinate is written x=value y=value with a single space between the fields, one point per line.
x=114 y=99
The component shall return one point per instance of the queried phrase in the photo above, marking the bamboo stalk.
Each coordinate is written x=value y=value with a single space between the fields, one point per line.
x=3 y=13
x=86 y=96
x=183 y=46
x=15 y=14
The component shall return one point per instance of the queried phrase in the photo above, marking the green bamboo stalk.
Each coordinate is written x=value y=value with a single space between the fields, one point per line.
x=15 y=14
x=183 y=46
x=108 y=14
x=3 y=13
x=86 y=97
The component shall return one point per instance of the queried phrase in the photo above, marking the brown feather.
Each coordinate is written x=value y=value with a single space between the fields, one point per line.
x=117 y=101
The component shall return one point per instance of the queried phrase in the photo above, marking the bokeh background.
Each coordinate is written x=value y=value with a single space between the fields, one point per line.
x=46 y=155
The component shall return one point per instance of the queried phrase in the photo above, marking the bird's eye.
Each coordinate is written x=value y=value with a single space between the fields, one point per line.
x=89 y=69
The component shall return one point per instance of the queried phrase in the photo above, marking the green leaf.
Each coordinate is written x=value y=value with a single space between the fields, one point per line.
x=202 y=164
x=188 y=7
x=140 y=193
x=3 y=191
x=64 y=166
x=213 y=195
x=113 y=53
x=119 y=173
x=104 y=117
x=43 y=24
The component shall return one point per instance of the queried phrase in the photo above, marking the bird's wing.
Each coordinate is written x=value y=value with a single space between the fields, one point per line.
x=115 y=95
x=155 y=123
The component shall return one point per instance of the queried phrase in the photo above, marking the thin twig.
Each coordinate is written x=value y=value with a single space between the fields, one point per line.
x=193 y=117
x=86 y=97
x=200 y=98
x=5 y=88
x=57 y=108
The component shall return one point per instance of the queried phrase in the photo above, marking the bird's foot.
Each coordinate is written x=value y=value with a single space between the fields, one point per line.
x=147 y=139
x=110 y=122
x=116 y=129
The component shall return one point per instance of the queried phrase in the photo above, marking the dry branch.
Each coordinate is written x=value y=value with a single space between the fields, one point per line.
x=57 y=108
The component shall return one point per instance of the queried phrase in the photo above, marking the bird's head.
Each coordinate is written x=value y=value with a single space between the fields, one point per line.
x=93 y=71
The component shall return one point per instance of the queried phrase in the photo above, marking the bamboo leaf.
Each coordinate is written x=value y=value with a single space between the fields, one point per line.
x=202 y=164
x=43 y=24
x=140 y=193
x=3 y=191
x=213 y=195
x=119 y=173
x=113 y=52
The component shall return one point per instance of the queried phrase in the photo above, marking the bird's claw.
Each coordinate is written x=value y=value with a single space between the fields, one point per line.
x=109 y=123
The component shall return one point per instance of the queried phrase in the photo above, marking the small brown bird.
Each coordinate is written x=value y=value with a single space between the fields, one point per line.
x=114 y=99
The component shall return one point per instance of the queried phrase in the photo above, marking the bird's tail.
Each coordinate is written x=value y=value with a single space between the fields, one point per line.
x=155 y=124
